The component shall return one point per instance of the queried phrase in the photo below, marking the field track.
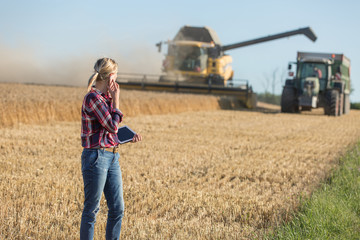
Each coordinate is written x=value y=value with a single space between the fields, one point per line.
x=200 y=173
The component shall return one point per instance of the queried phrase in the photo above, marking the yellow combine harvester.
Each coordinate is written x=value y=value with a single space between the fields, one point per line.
x=189 y=61
x=196 y=63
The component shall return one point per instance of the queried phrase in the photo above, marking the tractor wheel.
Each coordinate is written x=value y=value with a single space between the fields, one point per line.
x=288 y=100
x=332 y=103
x=341 y=104
x=346 y=103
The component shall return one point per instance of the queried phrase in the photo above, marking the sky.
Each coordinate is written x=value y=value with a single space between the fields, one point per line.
x=58 y=42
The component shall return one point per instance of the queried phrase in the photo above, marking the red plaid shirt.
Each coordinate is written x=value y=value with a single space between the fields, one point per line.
x=99 y=121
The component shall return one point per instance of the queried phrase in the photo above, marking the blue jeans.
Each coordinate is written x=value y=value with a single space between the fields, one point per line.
x=101 y=173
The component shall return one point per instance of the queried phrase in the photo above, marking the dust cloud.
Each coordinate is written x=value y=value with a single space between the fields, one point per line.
x=25 y=64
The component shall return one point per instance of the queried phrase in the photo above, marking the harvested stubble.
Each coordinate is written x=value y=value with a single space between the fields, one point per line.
x=196 y=175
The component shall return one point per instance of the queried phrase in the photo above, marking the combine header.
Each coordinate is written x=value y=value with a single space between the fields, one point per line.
x=239 y=89
x=196 y=63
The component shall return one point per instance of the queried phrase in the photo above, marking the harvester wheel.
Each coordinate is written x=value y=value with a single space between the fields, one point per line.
x=288 y=100
x=346 y=103
x=332 y=103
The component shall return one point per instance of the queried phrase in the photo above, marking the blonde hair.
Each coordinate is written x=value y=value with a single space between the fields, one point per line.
x=103 y=68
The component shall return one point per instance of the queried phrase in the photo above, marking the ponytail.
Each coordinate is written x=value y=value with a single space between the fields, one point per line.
x=92 y=81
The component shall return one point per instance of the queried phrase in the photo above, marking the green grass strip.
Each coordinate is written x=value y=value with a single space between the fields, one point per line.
x=333 y=211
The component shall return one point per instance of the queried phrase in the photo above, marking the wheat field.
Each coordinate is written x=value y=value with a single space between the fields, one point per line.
x=201 y=172
x=26 y=103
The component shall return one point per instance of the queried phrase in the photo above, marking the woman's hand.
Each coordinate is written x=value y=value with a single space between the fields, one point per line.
x=114 y=91
x=137 y=138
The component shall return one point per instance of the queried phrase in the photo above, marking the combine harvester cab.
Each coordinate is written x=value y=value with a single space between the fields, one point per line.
x=196 y=62
x=321 y=80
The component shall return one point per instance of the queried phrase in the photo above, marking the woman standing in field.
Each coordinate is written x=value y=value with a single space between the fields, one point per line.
x=99 y=160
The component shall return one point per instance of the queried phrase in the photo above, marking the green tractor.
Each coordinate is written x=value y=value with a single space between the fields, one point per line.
x=321 y=80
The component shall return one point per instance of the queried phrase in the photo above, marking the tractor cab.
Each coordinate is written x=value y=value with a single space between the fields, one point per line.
x=313 y=71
